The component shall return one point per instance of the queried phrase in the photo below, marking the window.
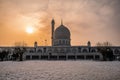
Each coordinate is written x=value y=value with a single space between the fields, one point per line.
x=116 y=51
x=63 y=42
x=39 y=51
x=31 y=51
x=79 y=49
x=44 y=50
x=35 y=57
x=93 y=50
x=84 y=51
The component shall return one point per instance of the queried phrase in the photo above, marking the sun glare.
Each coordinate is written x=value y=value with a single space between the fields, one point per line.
x=29 y=30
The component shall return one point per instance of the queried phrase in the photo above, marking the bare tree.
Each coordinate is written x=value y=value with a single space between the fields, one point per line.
x=3 y=55
x=20 y=48
x=20 y=44
x=99 y=44
x=105 y=50
x=107 y=43
x=104 y=44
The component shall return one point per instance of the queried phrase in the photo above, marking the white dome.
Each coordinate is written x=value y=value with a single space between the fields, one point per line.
x=62 y=32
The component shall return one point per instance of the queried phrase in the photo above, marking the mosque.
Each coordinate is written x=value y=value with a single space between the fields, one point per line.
x=61 y=48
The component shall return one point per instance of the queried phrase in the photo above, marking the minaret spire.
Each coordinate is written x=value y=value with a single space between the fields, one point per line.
x=52 y=30
x=61 y=22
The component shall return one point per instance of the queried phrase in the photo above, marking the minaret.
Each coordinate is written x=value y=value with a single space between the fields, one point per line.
x=89 y=44
x=35 y=44
x=52 y=24
x=61 y=22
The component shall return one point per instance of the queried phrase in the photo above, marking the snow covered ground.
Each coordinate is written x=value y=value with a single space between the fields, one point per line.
x=59 y=70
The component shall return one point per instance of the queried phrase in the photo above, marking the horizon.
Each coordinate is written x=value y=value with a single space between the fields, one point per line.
x=30 y=20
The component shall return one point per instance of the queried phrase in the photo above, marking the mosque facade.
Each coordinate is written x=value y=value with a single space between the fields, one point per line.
x=61 y=48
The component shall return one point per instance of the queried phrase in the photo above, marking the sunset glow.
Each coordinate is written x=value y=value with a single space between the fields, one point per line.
x=87 y=20
x=29 y=30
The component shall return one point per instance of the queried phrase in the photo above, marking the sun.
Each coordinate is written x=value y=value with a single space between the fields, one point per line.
x=29 y=29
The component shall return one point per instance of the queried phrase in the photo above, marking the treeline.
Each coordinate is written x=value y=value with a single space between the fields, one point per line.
x=4 y=55
x=106 y=51
x=17 y=54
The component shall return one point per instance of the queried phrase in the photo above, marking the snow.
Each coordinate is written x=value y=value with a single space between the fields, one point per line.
x=60 y=70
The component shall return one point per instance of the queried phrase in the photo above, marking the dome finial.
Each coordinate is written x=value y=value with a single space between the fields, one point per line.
x=53 y=21
x=61 y=22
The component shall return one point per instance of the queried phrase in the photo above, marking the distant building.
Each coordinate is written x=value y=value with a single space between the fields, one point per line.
x=62 y=49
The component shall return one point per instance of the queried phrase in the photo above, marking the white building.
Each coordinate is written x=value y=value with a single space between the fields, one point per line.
x=62 y=49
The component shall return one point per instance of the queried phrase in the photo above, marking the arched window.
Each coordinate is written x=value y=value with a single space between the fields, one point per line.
x=39 y=51
x=79 y=49
x=44 y=49
x=49 y=51
x=116 y=51
x=84 y=50
x=31 y=51
x=93 y=50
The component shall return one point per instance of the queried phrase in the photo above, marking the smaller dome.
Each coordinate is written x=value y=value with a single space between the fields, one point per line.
x=62 y=32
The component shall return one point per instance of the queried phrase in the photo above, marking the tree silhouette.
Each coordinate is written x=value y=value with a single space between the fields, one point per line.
x=104 y=44
x=19 y=50
x=18 y=53
x=105 y=50
x=3 y=55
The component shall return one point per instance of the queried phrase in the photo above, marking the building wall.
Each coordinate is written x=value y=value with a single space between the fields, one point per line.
x=73 y=51
x=48 y=51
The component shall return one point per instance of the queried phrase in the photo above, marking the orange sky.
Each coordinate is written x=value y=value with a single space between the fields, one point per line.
x=94 y=20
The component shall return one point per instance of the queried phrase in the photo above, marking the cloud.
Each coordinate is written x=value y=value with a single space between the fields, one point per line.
x=95 y=20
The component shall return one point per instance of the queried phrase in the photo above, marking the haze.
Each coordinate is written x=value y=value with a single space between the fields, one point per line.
x=88 y=20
